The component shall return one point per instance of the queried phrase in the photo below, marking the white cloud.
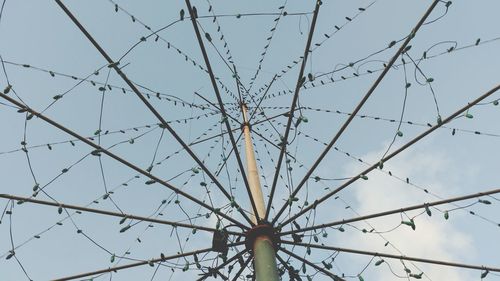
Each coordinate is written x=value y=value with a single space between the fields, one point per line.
x=434 y=238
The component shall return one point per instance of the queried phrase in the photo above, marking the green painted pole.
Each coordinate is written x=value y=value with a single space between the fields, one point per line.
x=263 y=248
x=265 y=260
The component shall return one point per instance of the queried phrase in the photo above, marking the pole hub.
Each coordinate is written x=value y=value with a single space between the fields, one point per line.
x=263 y=229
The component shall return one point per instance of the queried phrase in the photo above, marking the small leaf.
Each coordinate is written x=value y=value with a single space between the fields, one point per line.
x=10 y=255
x=417 y=276
x=60 y=210
x=446 y=215
x=399 y=133
x=410 y=223
x=430 y=80
x=428 y=211
x=379 y=262
x=149 y=182
x=7 y=89
x=125 y=228
x=112 y=259
x=486 y=202
x=209 y=38
x=56 y=97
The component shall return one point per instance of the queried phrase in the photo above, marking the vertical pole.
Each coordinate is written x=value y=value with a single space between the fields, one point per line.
x=265 y=265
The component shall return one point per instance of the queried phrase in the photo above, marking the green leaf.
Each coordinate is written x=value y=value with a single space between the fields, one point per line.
x=379 y=262
x=112 y=259
x=56 y=97
x=125 y=228
x=484 y=274
x=428 y=210
x=417 y=276
x=361 y=278
x=410 y=223
x=430 y=80
x=209 y=38
x=7 y=89
x=439 y=120
x=495 y=102
x=60 y=210
x=468 y=115
x=399 y=133
x=123 y=220
x=10 y=255
x=364 y=177
x=149 y=182
x=446 y=215
x=486 y=202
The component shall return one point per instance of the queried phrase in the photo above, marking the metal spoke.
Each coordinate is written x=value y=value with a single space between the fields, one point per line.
x=358 y=107
x=399 y=257
x=109 y=213
x=391 y=155
x=284 y=263
x=243 y=266
x=216 y=269
x=395 y=211
x=324 y=271
x=100 y=149
x=130 y=265
x=300 y=81
x=221 y=105
x=163 y=122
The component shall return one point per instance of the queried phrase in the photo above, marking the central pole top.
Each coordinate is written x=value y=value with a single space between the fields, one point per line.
x=253 y=173
x=264 y=229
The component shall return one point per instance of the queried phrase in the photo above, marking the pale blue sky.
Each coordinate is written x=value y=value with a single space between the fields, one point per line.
x=39 y=34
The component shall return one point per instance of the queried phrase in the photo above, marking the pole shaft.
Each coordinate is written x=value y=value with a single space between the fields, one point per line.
x=264 y=253
x=252 y=172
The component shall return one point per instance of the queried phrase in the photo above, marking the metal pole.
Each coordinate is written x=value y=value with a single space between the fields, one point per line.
x=264 y=253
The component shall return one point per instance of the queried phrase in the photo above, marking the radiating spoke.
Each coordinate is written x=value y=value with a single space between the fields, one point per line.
x=322 y=270
x=221 y=104
x=359 y=106
x=391 y=155
x=100 y=149
x=395 y=211
x=399 y=257
x=114 y=214
x=300 y=81
x=130 y=265
x=163 y=122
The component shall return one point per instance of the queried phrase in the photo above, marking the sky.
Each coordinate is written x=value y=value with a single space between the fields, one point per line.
x=54 y=69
